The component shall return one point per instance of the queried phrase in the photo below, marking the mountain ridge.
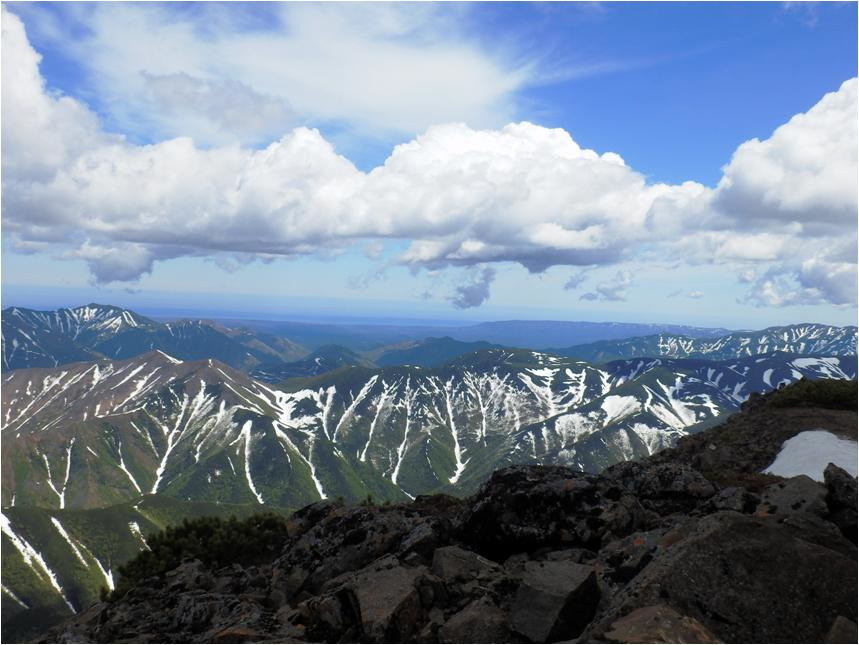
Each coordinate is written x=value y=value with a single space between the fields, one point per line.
x=32 y=338
x=812 y=339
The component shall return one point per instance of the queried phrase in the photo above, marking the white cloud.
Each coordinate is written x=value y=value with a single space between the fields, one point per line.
x=695 y=295
x=801 y=179
x=458 y=196
x=381 y=68
x=810 y=282
x=613 y=290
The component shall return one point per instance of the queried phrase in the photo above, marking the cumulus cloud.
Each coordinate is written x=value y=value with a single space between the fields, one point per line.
x=120 y=262
x=785 y=209
x=475 y=291
x=695 y=295
x=810 y=282
x=613 y=290
x=803 y=178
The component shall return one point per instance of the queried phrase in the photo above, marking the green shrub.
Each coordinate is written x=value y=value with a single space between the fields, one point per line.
x=823 y=393
x=214 y=541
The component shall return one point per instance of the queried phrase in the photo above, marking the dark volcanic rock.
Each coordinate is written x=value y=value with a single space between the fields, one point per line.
x=388 y=601
x=746 y=580
x=658 y=624
x=842 y=631
x=555 y=601
x=480 y=622
x=524 y=508
x=454 y=563
x=795 y=495
x=842 y=500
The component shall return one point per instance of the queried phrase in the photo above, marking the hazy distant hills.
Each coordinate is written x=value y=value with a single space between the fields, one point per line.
x=533 y=334
x=429 y=352
x=324 y=359
x=811 y=339
x=544 y=334
x=50 y=338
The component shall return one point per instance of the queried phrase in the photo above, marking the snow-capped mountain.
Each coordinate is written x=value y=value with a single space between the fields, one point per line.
x=92 y=434
x=809 y=339
x=50 y=338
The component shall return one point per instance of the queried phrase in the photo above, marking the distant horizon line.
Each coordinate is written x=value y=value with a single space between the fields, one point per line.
x=158 y=314
x=363 y=311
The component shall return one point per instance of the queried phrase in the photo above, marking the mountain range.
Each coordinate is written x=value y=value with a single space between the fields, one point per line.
x=92 y=434
x=816 y=340
x=114 y=424
x=33 y=338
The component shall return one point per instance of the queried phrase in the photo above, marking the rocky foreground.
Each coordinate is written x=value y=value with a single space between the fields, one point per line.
x=650 y=551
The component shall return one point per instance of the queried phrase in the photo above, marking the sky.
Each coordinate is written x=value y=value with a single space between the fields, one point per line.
x=688 y=163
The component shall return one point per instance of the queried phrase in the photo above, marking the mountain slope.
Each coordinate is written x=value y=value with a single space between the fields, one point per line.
x=810 y=339
x=92 y=434
x=51 y=338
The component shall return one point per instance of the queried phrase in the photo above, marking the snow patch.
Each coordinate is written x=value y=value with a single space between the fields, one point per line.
x=616 y=407
x=809 y=452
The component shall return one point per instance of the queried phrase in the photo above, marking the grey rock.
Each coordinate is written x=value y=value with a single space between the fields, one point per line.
x=555 y=601
x=658 y=624
x=388 y=602
x=799 y=494
x=746 y=579
x=480 y=622
x=734 y=498
x=842 y=500
x=843 y=630
x=455 y=563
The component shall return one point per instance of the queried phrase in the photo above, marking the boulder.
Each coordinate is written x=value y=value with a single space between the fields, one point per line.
x=524 y=508
x=622 y=559
x=746 y=579
x=455 y=563
x=843 y=630
x=343 y=539
x=388 y=601
x=841 y=499
x=664 y=488
x=554 y=601
x=479 y=622
x=799 y=494
x=658 y=624
x=734 y=498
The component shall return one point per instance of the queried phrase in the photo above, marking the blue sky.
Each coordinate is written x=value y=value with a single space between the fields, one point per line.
x=477 y=221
